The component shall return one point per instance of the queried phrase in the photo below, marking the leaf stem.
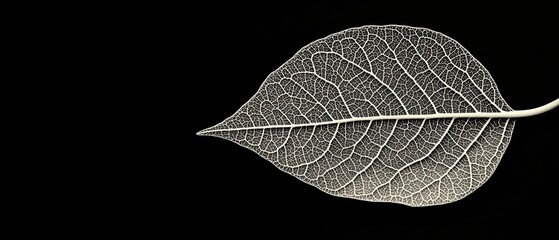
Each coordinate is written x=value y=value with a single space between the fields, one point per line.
x=535 y=111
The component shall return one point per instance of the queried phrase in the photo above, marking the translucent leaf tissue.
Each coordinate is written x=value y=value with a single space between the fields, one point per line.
x=380 y=113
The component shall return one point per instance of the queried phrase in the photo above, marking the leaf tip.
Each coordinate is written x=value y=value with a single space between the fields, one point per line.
x=211 y=131
x=204 y=132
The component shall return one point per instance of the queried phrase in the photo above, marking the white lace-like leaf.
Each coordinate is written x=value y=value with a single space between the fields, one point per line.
x=379 y=113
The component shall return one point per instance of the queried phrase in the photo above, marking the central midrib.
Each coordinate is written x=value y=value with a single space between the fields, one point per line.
x=510 y=114
x=503 y=114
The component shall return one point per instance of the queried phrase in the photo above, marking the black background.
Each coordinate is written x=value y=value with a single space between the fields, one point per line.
x=233 y=191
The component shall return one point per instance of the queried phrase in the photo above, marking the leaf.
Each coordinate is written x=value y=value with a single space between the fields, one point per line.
x=380 y=113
